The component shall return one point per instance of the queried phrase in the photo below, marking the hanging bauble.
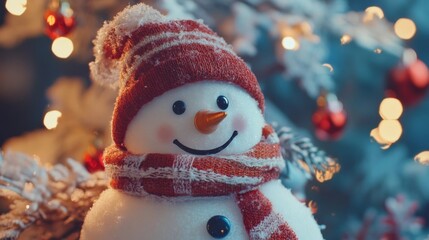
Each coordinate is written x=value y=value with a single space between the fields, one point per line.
x=330 y=118
x=93 y=159
x=59 y=19
x=408 y=81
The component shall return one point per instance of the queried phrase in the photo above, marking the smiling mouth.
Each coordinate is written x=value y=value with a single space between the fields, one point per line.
x=205 y=152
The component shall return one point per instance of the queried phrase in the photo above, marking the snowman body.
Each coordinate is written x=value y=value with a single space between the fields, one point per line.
x=159 y=127
x=120 y=216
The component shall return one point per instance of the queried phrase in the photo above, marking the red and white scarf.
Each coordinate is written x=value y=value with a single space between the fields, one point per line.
x=174 y=175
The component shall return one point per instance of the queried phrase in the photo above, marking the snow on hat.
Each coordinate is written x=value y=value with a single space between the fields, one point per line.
x=145 y=54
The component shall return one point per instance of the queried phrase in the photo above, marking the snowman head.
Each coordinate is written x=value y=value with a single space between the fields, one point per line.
x=202 y=118
x=182 y=89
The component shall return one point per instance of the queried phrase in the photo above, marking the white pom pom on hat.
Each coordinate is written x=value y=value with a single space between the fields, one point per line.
x=104 y=70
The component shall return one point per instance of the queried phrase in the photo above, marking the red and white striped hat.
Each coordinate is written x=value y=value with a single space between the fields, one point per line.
x=145 y=54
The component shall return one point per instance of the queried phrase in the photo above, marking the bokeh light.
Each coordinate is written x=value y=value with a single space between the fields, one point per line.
x=390 y=109
x=378 y=50
x=50 y=20
x=390 y=130
x=375 y=134
x=345 y=39
x=51 y=119
x=372 y=12
x=290 y=43
x=422 y=158
x=16 y=7
x=62 y=47
x=328 y=66
x=405 y=28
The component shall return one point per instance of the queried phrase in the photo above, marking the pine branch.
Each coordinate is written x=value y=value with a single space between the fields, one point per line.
x=301 y=152
x=43 y=197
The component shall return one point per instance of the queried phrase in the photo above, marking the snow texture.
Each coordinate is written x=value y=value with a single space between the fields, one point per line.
x=42 y=197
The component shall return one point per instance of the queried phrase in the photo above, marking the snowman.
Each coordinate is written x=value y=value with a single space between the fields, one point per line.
x=192 y=156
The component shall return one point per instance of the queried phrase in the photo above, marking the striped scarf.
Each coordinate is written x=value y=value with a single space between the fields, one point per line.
x=173 y=175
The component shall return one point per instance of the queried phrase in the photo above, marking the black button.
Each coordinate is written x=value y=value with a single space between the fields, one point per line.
x=218 y=226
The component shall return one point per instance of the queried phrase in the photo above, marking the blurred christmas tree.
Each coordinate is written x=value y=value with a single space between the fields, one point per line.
x=324 y=65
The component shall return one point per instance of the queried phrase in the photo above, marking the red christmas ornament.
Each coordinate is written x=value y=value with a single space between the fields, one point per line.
x=93 y=160
x=408 y=82
x=330 y=119
x=59 y=20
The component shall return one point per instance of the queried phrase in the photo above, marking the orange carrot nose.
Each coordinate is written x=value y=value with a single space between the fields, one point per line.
x=206 y=122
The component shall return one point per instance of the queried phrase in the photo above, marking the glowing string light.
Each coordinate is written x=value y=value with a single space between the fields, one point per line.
x=50 y=20
x=62 y=47
x=51 y=119
x=405 y=28
x=390 y=109
x=345 y=39
x=373 y=12
x=16 y=7
x=375 y=134
x=390 y=130
x=290 y=43
x=422 y=158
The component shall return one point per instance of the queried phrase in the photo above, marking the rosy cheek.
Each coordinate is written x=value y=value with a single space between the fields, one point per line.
x=239 y=123
x=165 y=133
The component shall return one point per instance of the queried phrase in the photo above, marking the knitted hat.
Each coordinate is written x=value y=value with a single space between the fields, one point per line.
x=145 y=54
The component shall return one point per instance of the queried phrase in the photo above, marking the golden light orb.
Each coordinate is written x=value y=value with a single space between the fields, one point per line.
x=50 y=20
x=16 y=7
x=62 y=47
x=290 y=43
x=405 y=28
x=390 y=109
x=372 y=12
x=51 y=119
x=390 y=130
x=375 y=134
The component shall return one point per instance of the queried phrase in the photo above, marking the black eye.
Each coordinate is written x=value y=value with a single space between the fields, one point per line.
x=218 y=226
x=179 y=107
x=222 y=102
